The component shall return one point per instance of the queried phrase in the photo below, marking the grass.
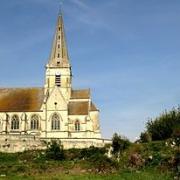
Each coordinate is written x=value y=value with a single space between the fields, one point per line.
x=147 y=174
x=89 y=164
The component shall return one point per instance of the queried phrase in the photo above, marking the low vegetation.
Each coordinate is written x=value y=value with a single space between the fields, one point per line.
x=156 y=156
x=154 y=160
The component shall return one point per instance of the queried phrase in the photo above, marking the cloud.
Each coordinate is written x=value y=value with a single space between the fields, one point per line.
x=92 y=16
x=80 y=4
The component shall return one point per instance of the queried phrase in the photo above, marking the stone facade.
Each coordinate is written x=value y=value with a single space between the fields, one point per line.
x=55 y=111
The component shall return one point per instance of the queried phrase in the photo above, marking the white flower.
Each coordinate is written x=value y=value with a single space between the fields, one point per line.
x=150 y=157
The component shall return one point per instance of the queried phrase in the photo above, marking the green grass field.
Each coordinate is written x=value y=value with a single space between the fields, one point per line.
x=139 y=175
x=89 y=164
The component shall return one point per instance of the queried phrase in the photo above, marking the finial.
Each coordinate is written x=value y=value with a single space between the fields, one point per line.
x=60 y=7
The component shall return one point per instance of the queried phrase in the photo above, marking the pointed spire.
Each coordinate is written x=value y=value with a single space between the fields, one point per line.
x=59 y=54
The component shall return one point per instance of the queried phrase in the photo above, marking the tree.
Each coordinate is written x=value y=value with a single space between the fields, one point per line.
x=163 y=126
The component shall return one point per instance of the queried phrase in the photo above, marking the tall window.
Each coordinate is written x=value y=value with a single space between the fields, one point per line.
x=77 y=126
x=55 y=122
x=34 y=122
x=58 y=80
x=15 y=122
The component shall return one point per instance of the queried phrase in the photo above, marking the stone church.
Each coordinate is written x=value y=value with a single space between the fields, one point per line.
x=55 y=111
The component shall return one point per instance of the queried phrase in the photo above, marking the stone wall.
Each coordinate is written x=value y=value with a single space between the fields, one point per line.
x=69 y=143
x=20 y=143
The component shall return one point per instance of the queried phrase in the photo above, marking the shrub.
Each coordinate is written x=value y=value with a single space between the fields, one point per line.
x=92 y=152
x=136 y=160
x=145 y=137
x=177 y=162
x=119 y=144
x=163 y=126
x=72 y=154
x=97 y=158
x=55 y=151
x=20 y=168
x=103 y=164
x=176 y=135
x=8 y=157
x=93 y=157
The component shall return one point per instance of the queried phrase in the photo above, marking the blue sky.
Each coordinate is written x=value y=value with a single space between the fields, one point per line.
x=126 y=51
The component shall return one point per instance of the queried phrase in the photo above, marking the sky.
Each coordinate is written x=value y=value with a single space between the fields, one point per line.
x=125 y=51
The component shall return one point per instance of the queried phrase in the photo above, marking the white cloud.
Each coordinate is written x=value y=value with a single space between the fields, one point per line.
x=80 y=4
x=95 y=16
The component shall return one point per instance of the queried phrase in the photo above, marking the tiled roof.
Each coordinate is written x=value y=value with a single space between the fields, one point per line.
x=80 y=94
x=78 y=108
x=21 y=99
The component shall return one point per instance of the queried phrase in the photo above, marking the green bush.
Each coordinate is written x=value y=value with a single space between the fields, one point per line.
x=92 y=152
x=176 y=135
x=145 y=137
x=103 y=163
x=163 y=126
x=119 y=144
x=92 y=158
x=20 y=168
x=177 y=162
x=72 y=154
x=55 y=151
x=8 y=158
x=86 y=153
x=98 y=159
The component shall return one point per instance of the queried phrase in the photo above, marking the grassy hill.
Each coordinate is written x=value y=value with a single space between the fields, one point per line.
x=147 y=161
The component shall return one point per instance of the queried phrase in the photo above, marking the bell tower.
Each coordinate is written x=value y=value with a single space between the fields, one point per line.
x=58 y=69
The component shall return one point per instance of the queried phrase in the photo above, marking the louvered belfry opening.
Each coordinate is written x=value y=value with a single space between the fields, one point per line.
x=58 y=80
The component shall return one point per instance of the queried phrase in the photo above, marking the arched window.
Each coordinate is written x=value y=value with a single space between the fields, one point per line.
x=15 y=122
x=34 y=122
x=55 y=122
x=77 y=126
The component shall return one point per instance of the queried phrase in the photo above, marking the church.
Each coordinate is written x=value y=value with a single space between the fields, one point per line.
x=55 y=111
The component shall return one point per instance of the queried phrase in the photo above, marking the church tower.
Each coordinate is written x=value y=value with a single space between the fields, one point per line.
x=69 y=113
x=58 y=69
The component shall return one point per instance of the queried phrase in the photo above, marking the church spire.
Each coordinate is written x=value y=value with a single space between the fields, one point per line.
x=59 y=54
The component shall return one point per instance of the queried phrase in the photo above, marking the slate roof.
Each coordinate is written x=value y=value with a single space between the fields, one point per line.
x=21 y=99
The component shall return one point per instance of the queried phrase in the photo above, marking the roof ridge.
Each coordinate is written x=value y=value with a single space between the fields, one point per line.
x=21 y=87
x=81 y=89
